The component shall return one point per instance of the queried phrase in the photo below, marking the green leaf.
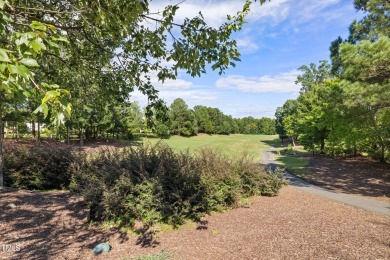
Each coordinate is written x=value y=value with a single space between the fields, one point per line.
x=27 y=94
x=42 y=109
x=52 y=94
x=4 y=56
x=13 y=69
x=38 y=26
x=58 y=38
x=38 y=45
x=29 y=62
x=24 y=72
x=69 y=109
x=2 y=4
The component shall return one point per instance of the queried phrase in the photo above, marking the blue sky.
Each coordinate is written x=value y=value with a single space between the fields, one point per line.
x=278 y=38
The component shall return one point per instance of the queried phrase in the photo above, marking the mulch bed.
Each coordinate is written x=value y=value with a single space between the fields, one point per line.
x=293 y=225
x=356 y=175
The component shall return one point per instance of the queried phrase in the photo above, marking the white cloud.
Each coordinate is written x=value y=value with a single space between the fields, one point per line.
x=170 y=84
x=247 y=45
x=308 y=9
x=240 y=110
x=191 y=97
x=273 y=12
x=215 y=12
x=279 y=83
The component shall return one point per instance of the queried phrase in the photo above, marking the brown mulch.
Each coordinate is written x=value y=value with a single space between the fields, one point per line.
x=356 y=175
x=293 y=225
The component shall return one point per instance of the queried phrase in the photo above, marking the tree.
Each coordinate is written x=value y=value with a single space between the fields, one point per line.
x=183 y=120
x=266 y=126
x=203 y=118
x=313 y=75
x=82 y=39
x=374 y=24
x=366 y=83
x=287 y=121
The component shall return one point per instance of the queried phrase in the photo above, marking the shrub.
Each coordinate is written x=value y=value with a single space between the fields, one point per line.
x=148 y=184
x=155 y=184
x=37 y=167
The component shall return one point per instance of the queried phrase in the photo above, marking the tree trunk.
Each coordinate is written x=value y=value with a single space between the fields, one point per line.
x=33 y=129
x=88 y=134
x=1 y=144
x=17 y=132
x=81 y=137
x=38 y=131
x=322 y=145
x=67 y=135
x=293 y=140
x=382 y=159
x=94 y=133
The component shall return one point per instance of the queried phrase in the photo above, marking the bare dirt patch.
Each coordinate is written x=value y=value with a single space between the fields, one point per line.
x=293 y=225
x=357 y=176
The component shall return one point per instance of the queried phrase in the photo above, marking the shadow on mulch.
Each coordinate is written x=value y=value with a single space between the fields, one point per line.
x=147 y=237
x=45 y=224
x=357 y=175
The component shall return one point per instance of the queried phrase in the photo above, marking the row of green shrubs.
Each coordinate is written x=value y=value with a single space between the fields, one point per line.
x=147 y=184
x=38 y=167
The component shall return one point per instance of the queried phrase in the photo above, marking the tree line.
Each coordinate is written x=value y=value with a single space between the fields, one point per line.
x=344 y=107
x=201 y=119
x=124 y=119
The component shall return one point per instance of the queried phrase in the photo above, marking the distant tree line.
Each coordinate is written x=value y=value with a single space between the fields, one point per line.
x=344 y=107
x=186 y=122
x=122 y=119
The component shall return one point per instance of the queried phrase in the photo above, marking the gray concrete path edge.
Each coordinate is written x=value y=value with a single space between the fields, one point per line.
x=371 y=205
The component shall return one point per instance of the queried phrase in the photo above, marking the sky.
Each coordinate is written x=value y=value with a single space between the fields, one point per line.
x=279 y=37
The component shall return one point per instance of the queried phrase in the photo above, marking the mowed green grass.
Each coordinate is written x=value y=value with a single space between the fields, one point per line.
x=232 y=145
x=292 y=160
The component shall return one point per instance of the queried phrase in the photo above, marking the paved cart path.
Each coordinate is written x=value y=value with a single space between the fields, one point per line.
x=371 y=205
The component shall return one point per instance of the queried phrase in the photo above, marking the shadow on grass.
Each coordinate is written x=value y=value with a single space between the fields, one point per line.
x=294 y=164
x=277 y=143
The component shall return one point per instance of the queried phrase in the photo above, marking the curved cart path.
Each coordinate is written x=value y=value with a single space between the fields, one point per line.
x=371 y=205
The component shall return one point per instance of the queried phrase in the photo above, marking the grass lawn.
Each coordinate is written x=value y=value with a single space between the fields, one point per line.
x=232 y=145
x=290 y=157
x=293 y=163
x=237 y=144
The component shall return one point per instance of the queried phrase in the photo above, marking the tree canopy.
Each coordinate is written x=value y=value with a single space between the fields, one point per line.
x=344 y=108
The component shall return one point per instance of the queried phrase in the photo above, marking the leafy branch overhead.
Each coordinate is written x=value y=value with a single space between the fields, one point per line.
x=81 y=45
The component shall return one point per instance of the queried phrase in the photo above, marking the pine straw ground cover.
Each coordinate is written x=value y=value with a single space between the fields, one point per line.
x=292 y=225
